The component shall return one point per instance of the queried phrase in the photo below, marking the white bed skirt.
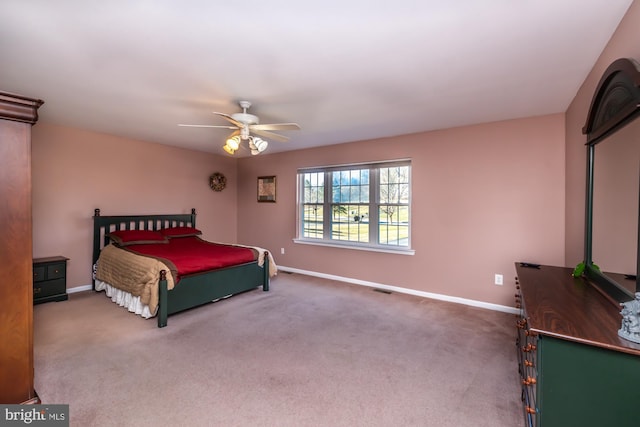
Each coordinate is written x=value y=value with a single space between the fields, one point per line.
x=125 y=299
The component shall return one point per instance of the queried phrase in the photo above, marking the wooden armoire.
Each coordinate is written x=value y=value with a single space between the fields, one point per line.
x=17 y=115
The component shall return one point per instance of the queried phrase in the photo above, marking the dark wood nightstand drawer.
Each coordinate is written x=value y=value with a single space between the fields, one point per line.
x=56 y=271
x=49 y=279
x=49 y=287
x=39 y=273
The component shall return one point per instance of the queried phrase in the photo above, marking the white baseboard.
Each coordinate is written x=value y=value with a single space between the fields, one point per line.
x=441 y=297
x=457 y=300
x=79 y=289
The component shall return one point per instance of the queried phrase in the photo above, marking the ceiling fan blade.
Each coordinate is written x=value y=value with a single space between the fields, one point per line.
x=209 y=126
x=230 y=119
x=276 y=126
x=270 y=135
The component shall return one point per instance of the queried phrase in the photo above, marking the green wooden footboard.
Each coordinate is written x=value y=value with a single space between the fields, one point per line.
x=198 y=289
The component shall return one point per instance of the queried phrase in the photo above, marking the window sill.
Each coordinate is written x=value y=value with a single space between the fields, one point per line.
x=401 y=251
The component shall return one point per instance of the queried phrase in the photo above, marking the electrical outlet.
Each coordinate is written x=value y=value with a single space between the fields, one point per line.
x=282 y=251
x=498 y=280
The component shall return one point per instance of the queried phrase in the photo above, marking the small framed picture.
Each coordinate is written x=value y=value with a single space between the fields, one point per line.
x=267 y=189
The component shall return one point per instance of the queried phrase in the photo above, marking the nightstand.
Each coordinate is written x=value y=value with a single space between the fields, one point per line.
x=49 y=279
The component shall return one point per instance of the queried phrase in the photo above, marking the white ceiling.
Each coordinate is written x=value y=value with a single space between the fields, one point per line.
x=344 y=70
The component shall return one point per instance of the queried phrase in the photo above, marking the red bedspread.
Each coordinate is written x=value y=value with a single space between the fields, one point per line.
x=191 y=255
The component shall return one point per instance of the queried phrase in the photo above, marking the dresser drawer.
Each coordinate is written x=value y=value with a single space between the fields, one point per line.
x=48 y=272
x=39 y=273
x=49 y=287
x=56 y=271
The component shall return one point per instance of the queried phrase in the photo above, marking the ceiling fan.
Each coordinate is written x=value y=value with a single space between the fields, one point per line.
x=245 y=124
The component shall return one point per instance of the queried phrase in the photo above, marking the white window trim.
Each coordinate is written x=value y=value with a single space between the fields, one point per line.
x=347 y=244
x=359 y=247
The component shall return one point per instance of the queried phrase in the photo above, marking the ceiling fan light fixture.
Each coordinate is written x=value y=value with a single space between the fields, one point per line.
x=260 y=144
x=233 y=142
x=252 y=145
x=229 y=149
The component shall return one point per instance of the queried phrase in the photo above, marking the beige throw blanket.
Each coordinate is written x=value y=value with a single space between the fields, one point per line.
x=138 y=275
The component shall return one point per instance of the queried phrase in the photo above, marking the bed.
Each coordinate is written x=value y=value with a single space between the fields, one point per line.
x=175 y=291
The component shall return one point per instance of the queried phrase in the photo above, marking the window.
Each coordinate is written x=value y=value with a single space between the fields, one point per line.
x=365 y=205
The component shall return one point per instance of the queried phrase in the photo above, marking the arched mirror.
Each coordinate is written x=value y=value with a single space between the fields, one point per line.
x=612 y=236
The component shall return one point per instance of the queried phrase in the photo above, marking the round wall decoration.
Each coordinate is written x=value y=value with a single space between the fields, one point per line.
x=217 y=181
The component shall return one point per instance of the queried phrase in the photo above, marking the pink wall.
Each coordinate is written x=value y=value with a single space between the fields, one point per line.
x=76 y=171
x=623 y=44
x=484 y=197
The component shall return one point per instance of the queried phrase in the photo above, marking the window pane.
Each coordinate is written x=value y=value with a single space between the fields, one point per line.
x=355 y=194
x=348 y=186
x=384 y=175
x=403 y=193
x=394 y=185
x=313 y=221
x=364 y=177
x=313 y=187
x=313 y=199
x=344 y=194
x=350 y=223
x=345 y=177
x=394 y=175
x=384 y=193
x=393 y=228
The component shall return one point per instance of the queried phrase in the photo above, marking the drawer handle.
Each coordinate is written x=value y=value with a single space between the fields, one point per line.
x=528 y=348
x=530 y=410
x=528 y=381
x=528 y=363
x=37 y=290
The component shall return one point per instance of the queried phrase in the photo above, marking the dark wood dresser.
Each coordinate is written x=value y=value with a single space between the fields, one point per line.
x=575 y=369
x=49 y=279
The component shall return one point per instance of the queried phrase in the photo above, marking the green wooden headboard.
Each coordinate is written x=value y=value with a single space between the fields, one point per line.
x=103 y=225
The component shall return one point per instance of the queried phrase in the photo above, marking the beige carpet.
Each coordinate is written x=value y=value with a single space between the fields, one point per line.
x=311 y=352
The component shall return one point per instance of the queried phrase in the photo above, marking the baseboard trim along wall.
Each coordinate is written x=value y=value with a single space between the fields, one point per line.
x=79 y=289
x=457 y=300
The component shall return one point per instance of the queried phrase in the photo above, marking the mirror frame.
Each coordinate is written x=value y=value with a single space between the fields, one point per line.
x=615 y=104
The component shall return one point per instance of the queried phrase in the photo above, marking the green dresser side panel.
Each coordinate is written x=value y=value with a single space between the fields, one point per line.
x=586 y=386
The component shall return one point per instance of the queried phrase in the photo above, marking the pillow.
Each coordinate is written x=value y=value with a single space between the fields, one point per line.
x=180 y=232
x=136 y=237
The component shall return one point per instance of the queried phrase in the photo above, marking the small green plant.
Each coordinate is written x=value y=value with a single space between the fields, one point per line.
x=579 y=270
